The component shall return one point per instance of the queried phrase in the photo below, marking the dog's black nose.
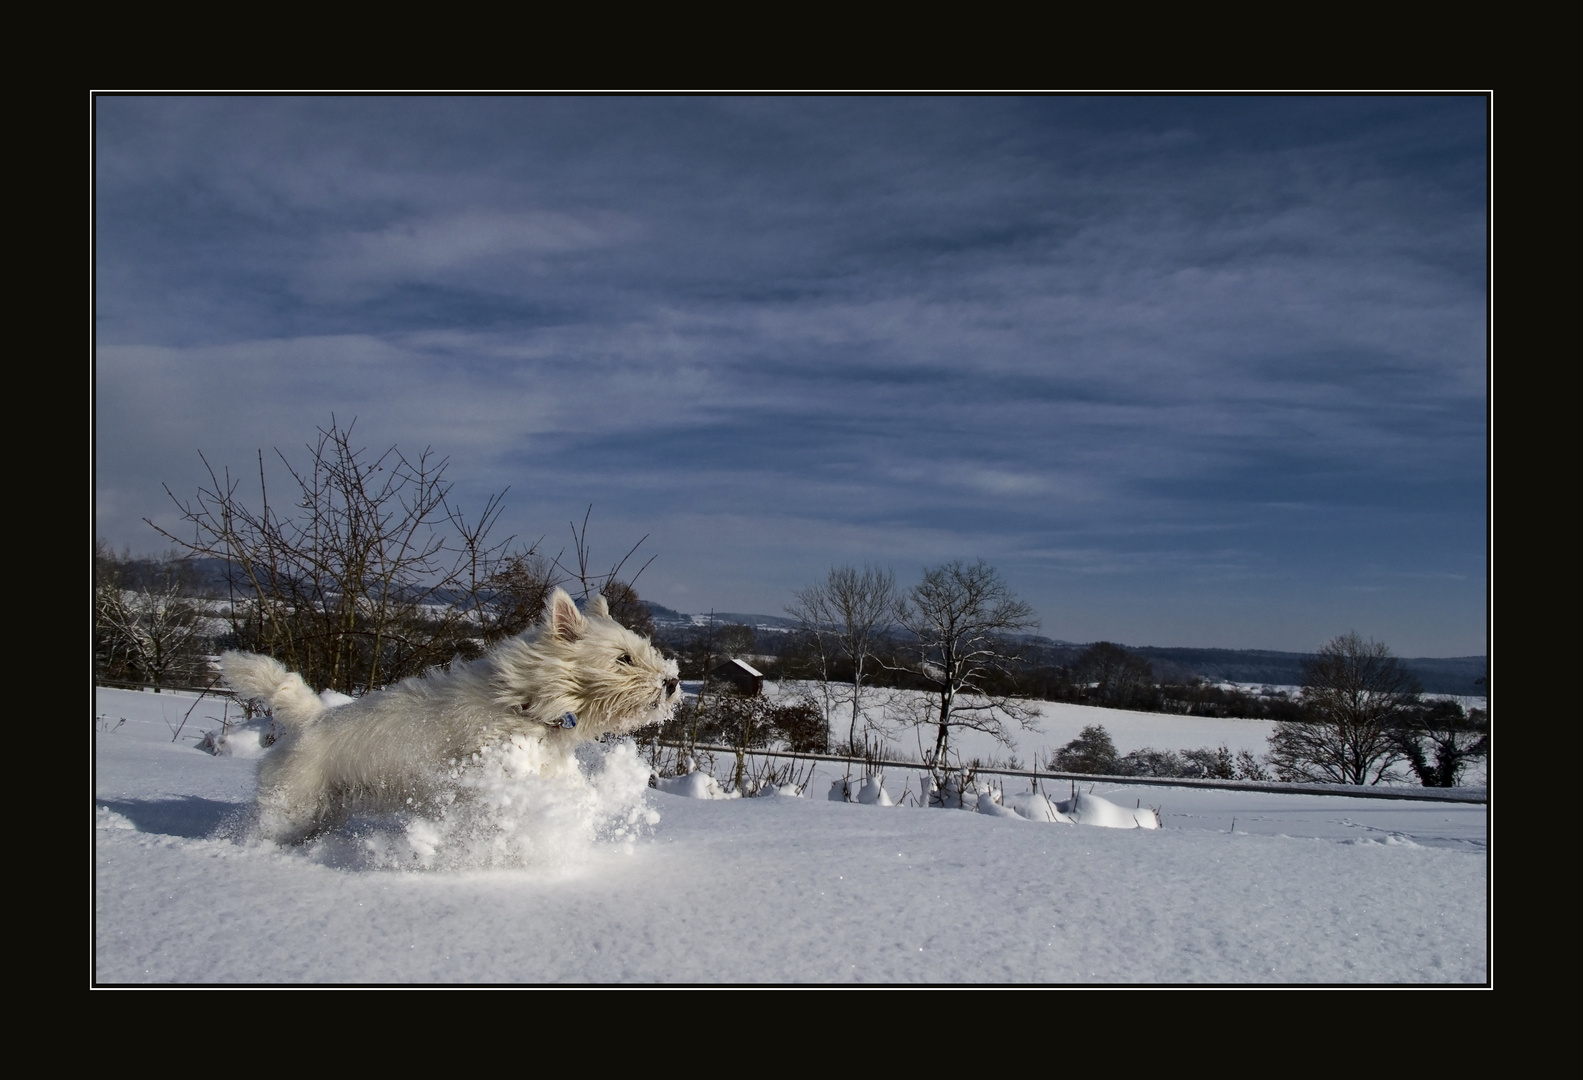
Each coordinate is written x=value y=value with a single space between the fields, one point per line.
x=670 y=687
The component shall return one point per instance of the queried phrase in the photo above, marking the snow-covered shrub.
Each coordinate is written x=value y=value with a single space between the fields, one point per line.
x=956 y=789
x=873 y=792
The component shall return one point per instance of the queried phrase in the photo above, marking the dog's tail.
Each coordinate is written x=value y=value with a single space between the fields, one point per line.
x=284 y=692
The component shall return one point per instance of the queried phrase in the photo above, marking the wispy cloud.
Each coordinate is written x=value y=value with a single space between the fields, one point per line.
x=467 y=250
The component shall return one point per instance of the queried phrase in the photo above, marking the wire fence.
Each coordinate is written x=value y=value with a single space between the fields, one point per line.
x=148 y=687
x=1443 y=795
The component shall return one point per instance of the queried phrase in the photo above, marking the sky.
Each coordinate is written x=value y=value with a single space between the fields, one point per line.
x=1196 y=371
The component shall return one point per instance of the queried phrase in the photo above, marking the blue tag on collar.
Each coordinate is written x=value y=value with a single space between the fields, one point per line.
x=568 y=720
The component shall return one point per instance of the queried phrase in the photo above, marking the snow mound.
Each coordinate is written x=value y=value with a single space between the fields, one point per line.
x=1088 y=809
x=1033 y=806
x=694 y=785
x=873 y=792
x=517 y=804
x=989 y=806
x=1390 y=840
x=334 y=699
x=106 y=818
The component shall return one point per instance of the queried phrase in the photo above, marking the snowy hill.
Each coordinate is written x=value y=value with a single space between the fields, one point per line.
x=1303 y=889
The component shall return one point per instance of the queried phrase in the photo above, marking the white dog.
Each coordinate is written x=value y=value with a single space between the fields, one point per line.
x=571 y=679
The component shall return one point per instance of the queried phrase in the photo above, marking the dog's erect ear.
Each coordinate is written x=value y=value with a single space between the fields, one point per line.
x=566 y=622
x=599 y=607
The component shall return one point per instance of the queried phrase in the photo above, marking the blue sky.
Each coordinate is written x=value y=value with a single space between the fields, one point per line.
x=1189 y=371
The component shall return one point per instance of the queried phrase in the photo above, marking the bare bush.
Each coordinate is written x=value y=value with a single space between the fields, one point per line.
x=513 y=595
x=367 y=571
x=1151 y=762
x=1250 y=766
x=1216 y=764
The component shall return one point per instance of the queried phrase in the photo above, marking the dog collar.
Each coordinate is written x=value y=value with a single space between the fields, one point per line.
x=567 y=720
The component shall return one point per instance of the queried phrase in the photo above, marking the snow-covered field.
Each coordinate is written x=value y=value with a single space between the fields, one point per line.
x=605 y=881
x=1058 y=723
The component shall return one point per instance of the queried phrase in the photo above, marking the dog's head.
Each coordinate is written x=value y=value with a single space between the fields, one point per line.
x=587 y=667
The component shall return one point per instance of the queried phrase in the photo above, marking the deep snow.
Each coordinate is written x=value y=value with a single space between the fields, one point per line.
x=604 y=881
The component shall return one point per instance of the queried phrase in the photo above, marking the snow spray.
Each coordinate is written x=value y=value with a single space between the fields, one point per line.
x=519 y=803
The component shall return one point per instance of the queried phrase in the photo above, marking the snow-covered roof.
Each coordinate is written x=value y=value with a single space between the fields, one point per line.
x=748 y=668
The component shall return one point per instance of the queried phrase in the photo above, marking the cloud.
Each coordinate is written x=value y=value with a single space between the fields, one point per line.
x=466 y=249
x=1093 y=335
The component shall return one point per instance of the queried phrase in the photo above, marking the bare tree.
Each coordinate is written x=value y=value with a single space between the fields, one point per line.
x=149 y=632
x=1355 y=696
x=1118 y=678
x=818 y=655
x=735 y=640
x=845 y=616
x=963 y=617
x=372 y=574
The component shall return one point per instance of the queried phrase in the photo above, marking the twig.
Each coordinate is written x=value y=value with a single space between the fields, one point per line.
x=195 y=701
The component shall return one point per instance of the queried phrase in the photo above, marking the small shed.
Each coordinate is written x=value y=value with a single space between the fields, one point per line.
x=740 y=675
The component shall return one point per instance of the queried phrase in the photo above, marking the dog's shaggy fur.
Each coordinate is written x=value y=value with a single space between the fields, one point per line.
x=573 y=678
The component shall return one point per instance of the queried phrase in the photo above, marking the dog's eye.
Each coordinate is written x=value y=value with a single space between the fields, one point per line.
x=624 y=658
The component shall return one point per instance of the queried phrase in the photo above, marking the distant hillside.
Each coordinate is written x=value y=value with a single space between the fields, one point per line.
x=1465 y=675
x=671 y=619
